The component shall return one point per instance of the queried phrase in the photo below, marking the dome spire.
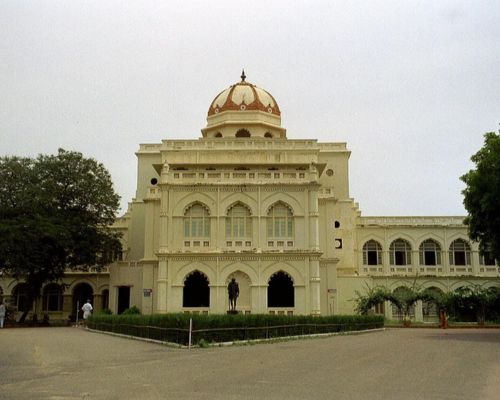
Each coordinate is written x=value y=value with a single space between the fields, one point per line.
x=243 y=76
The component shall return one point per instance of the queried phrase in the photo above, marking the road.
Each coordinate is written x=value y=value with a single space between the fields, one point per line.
x=424 y=364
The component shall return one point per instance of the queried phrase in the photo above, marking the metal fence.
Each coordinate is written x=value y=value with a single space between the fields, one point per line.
x=189 y=336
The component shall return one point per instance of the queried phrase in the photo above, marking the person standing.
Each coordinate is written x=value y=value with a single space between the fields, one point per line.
x=87 y=310
x=2 y=313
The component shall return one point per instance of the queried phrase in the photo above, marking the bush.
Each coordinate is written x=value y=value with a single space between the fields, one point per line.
x=225 y=328
x=132 y=311
x=105 y=311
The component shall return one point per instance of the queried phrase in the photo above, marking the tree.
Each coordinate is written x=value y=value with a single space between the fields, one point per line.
x=482 y=196
x=55 y=214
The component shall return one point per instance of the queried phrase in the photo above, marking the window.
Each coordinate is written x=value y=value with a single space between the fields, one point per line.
x=372 y=253
x=21 y=298
x=238 y=222
x=52 y=298
x=268 y=135
x=242 y=133
x=196 y=222
x=400 y=252
x=430 y=253
x=280 y=222
x=459 y=253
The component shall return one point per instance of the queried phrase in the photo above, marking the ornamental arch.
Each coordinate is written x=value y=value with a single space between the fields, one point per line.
x=196 y=291
x=280 y=291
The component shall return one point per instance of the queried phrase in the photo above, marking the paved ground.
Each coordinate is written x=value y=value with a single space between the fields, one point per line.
x=424 y=364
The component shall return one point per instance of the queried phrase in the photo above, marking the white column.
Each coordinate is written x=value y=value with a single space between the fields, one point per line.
x=314 y=287
x=161 y=296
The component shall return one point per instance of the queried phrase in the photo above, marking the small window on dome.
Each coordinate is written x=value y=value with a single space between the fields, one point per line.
x=218 y=134
x=242 y=133
x=268 y=135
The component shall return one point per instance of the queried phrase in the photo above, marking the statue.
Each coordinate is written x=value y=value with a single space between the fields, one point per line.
x=233 y=291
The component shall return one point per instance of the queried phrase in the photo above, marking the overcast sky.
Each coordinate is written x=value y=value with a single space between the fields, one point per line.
x=411 y=86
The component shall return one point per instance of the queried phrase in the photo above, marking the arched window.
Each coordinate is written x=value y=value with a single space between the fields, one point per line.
x=372 y=253
x=218 y=135
x=280 y=292
x=21 y=298
x=459 y=252
x=196 y=292
x=52 y=297
x=280 y=222
x=400 y=252
x=397 y=313
x=430 y=310
x=268 y=135
x=242 y=133
x=238 y=222
x=430 y=253
x=196 y=222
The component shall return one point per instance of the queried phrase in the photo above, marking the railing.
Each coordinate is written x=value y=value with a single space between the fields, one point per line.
x=182 y=336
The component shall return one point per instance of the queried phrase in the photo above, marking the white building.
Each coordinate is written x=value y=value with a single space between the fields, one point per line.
x=244 y=201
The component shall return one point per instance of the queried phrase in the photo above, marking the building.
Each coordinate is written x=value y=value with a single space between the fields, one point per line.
x=245 y=202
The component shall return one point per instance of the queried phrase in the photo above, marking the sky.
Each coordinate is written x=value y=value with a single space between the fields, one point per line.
x=411 y=86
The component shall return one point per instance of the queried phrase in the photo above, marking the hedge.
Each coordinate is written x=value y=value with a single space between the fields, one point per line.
x=225 y=328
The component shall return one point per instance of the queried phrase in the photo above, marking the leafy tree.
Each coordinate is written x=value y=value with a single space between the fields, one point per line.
x=475 y=300
x=55 y=214
x=372 y=297
x=482 y=196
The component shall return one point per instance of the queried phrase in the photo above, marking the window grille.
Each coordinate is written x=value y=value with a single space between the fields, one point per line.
x=372 y=253
x=238 y=222
x=400 y=252
x=196 y=222
x=460 y=253
x=430 y=253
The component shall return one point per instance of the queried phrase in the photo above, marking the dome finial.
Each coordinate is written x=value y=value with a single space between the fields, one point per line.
x=243 y=76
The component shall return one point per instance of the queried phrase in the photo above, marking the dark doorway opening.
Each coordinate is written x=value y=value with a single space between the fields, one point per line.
x=280 y=292
x=123 y=298
x=196 y=292
x=81 y=293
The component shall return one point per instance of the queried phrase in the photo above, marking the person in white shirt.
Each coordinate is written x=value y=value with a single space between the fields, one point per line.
x=87 y=310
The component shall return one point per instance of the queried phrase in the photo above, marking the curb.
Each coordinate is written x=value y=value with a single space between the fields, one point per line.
x=239 y=342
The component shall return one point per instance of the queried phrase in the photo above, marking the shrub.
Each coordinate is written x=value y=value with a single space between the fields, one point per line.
x=223 y=328
x=132 y=311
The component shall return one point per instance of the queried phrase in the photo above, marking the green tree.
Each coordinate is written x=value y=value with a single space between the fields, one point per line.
x=55 y=214
x=482 y=196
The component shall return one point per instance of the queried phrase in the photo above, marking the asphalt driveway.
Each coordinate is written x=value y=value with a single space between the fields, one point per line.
x=71 y=363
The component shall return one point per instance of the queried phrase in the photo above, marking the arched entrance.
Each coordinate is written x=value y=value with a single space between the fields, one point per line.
x=81 y=293
x=243 y=303
x=196 y=292
x=280 y=291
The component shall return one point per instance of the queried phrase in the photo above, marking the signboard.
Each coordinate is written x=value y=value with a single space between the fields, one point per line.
x=147 y=292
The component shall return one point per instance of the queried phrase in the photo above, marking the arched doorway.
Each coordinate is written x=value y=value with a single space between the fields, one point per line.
x=280 y=291
x=196 y=292
x=81 y=293
x=243 y=302
x=430 y=311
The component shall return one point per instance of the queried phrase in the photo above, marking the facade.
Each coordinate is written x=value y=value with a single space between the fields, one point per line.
x=245 y=202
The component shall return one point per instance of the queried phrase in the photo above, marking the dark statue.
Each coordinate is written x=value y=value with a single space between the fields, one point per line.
x=233 y=291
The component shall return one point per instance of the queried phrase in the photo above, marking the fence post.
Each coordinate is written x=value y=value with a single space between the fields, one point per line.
x=190 y=332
